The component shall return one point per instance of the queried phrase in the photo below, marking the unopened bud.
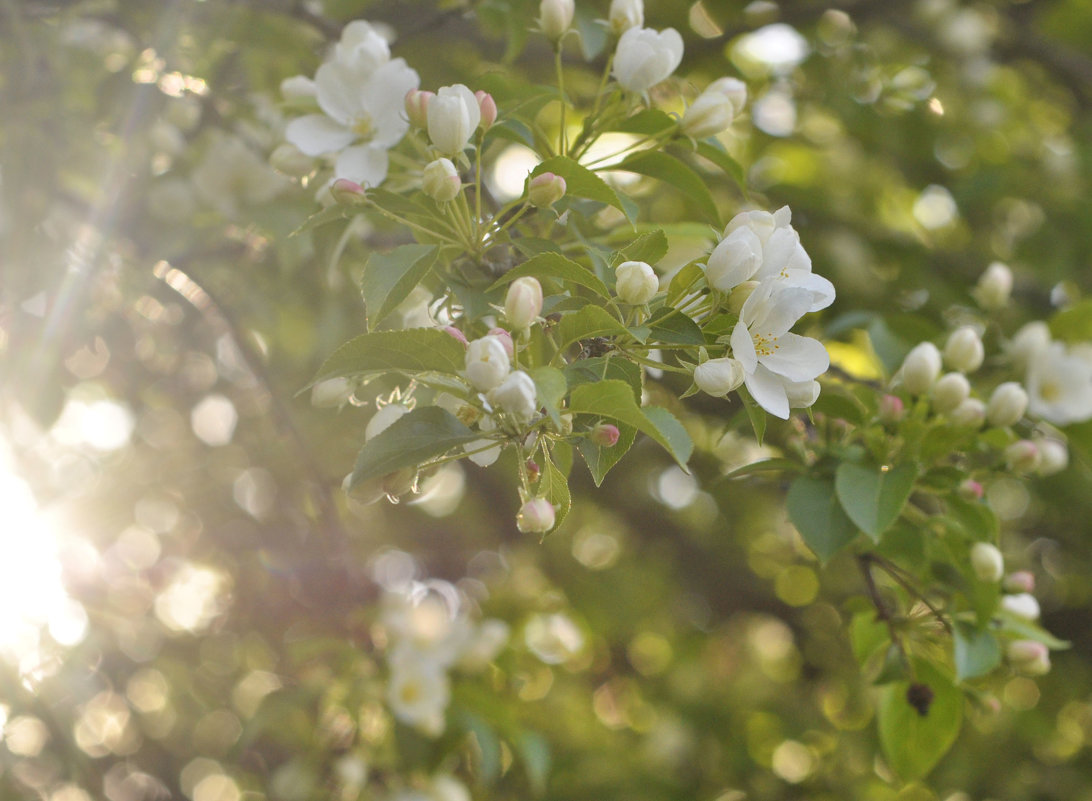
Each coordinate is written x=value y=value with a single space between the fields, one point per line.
x=718 y=377
x=739 y=296
x=537 y=516
x=626 y=14
x=488 y=107
x=400 y=482
x=440 y=181
x=1020 y=581
x=963 y=351
x=545 y=190
x=1028 y=657
x=417 y=107
x=636 y=282
x=1007 y=404
x=1023 y=605
x=987 y=561
x=1055 y=456
x=950 y=391
x=732 y=88
x=566 y=424
x=969 y=414
x=605 y=435
x=891 y=409
x=288 y=159
x=970 y=490
x=555 y=17
x=456 y=333
x=505 y=340
x=523 y=303
x=994 y=286
x=331 y=392
x=1022 y=456
x=533 y=470
x=347 y=193
x=920 y=368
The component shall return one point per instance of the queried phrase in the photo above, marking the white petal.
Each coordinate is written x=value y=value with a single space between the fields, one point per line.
x=822 y=290
x=774 y=307
x=779 y=248
x=769 y=392
x=384 y=98
x=797 y=358
x=743 y=347
x=316 y=134
x=366 y=165
x=337 y=89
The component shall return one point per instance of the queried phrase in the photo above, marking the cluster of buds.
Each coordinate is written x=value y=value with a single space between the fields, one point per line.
x=451 y=116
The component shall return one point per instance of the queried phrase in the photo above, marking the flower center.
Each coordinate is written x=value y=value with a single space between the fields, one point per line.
x=765 y=345
x=363 y=127
x=410 y=693
x=1050 y=391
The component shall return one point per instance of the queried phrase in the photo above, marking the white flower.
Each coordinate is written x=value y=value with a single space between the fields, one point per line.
x=1022 y=604
x=555 y=17
x=994 y=286
x=453 y=117
x=734 y=260
x=987 y=562
x=359 y=106
x=963 y=351
x=635 y=282
x=425 y=621
x=645 y=57
x=1059 y=384
x=1031 y=340
x=419 y=690
x=553 y=638
x=772 y=358
x=523 y=302
x=362 y=47
x=921 y=368
x=626 y=14
x=714 y=109
x=440 y=180
x=487 y=363
x=718 y=377
x=516 y=395
x=1007 y=404
x=484 y=645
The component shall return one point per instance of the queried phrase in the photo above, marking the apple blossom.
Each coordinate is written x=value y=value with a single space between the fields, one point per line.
x=644 y=57
x=891 y=409
x=553 y=638
x=545 y=190
x=1031 y=340
x=536 y=516
x=416 y=105
x=1028 y=657
x=347 y=192
x=1022 y=456
x=332 y=392
x=456 y=333
x=1007 y=404
x=994 y=286
x=418 y=691
x=626 y=14
x=732 y=88
x=718 y=377
x=970 y=490
x=921 y=368
x=362 y=47
x=517 y=396
x=440 y=180
x=963 y=351
x=1059 y=385
x=605 y=435
x=1019 y=582
x=486 y=363
x=453 y=117
x=987 y=561
x=555 y=17
x=488 y=108
x=523 y=302
x=950 y=391
x=505 y=339
x=714 y=109
x=1023 y=605
x=636 y=282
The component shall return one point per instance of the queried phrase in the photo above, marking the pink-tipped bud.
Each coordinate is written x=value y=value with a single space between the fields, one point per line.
x=488 y=107
x=456 y=333
x=533 y=470
x=1028 y=657
x=505 y=339
x=537 y=516
x=970 y=490
x=1021 y=581
x=546 y=189
x=891 y=409
x=605 y=435
x=346 y=192
x=1022 y=456
x=417 y=107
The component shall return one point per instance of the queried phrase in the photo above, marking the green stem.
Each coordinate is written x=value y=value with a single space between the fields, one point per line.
x=390 y=215
x=562 y=145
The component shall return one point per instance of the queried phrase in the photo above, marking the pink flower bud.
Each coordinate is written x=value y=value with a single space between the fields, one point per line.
x=891 y=409
x=1020 y=582
x=970 y=490
x=417 y=107
x=1022 y=456
x=605 y=435
x=456 y=333
x=505 y=339
x=347 y=192
x=546 y=189
x=1028 y=657
x=440 y=181
x=533 y=470
x=488 y=108
x=537 y=516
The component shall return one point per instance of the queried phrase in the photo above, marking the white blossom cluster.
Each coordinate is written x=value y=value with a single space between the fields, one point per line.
x=762 y=270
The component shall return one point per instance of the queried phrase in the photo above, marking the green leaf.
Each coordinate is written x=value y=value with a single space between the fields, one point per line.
x=582 y=182
x=555 y=486
x=413 y=350
x=550 y=386
x=593 y=34
x=755 y=413
x=487 y=757
x=675 y=328
x=913 y=743
x=599 y=459
x=649 y=248
x=598 y=368
x=389 y=278
x=867 y=635
x=684 y=282
x=813 y=508
x=590 y=321
x=732 y=168
x=327 y=215
x=763 y=466
x=614 y=400
x=1073 y=324
x=415 y=438
x=873 y=497
x=833 y=403
x=554 y=265
x=534 y=753
x=1026 y=630
x=670 y=170
x=976 y=652
x=648 y=122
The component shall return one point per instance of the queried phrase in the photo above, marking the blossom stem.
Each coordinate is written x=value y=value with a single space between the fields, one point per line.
x=562 y=145
x=390 y=215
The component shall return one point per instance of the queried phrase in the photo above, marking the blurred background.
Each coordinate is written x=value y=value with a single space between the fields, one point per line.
x=187 y=604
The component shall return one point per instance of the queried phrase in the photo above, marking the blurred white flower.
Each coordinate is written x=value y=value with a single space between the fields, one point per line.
x=1059 y=385
x=419 y=690
x=645 y=57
